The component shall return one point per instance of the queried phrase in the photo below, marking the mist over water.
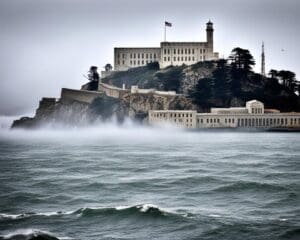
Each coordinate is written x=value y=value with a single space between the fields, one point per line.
x=129 y=181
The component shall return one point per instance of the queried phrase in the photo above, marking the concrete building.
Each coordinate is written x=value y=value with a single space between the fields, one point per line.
x=169 y=53
x=252 y=116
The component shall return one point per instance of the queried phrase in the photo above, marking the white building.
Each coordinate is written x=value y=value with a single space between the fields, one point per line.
x=252 y=116
x=169 y=53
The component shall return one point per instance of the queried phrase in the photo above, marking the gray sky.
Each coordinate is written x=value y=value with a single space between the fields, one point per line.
x=48 y=44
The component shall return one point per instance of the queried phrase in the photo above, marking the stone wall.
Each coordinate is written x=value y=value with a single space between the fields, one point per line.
x=112 y=91
x=83 y=96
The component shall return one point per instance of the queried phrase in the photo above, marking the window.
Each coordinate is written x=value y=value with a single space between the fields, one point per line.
x=211 y=120
x=134 y=55
x=201 y=120
x=168 y=51
x=142 y=55
x=193 y=51
x=142 y=61
x=181 y=51
x=193 y=58
x=123 y=62
x=130 y=55
x=130 y=62
x=119 y=62
x=150 y=55
x=207 y=120
x=138 y=62
x=225 y=120
x=178 y=58
x=147 y=55
x=138 y=55
x=200 y=50
x=189 y=58
x=174 y=51
x=169 y=59
x=178 y=51
x=189 y=51
x=185 y=51
x=123 y=55
x=154 y=55
x=165 y=51
x=165 y=59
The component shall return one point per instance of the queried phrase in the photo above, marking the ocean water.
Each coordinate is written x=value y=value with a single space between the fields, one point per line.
x=132 y=182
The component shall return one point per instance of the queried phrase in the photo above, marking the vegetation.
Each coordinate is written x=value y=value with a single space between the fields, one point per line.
x=222 y=83
x=233 y=80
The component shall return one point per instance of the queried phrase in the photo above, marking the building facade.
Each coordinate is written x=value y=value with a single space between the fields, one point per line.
x=252 y=116
x=169 y=53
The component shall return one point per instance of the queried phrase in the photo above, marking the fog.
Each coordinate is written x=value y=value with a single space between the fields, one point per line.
x=47 y=45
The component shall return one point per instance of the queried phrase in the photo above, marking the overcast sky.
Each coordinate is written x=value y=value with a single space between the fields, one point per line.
x=49 y=44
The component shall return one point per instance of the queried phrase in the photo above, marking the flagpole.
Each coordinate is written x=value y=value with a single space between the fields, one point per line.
x=165 y=31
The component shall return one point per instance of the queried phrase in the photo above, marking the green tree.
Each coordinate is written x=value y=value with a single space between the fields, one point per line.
x=202 y=92
x=242 y=59
x=287 y=78
x=273 y=73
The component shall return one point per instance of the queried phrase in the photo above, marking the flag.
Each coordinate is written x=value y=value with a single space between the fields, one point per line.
x=168 y=24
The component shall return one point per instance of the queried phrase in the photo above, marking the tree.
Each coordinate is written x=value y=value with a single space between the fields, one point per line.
x=287 y=78
x=242 y=59
x=202 y=92
x=221 y=79
x=273 y=73
x=93 y=74
x=108 y=67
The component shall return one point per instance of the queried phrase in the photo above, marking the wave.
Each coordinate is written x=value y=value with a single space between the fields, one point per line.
x=30 y=234
x=4 y=216
x=146 y=210
x=140 y=210
x=246 y=186
x=291 y=234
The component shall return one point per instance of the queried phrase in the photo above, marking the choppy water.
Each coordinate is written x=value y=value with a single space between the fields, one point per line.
x=139 y=183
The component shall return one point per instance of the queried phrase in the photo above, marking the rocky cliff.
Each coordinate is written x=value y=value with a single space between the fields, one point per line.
x=82 y=108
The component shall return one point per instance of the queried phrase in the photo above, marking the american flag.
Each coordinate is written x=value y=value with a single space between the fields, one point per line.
x=168 y=24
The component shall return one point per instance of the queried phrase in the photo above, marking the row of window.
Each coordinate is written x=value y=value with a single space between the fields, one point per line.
x=182 y=51
x=266 y=122
x=138 y=55
x=254 y=122
x=172 y=115
x=137 y=63
x=257 y=110
x=182 y=59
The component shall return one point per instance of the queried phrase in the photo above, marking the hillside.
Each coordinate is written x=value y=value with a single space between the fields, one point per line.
x=222 y=83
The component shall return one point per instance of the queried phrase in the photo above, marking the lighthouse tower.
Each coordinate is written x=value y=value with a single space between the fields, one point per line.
x=210 y=36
